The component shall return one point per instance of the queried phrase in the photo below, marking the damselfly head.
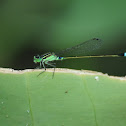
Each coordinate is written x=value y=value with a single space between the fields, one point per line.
x=37 y=59
x=34 y=60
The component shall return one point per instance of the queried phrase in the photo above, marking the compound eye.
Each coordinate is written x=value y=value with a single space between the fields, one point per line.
x=37 y=57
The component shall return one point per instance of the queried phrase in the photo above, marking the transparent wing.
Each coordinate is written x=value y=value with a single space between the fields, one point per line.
x=82 y=49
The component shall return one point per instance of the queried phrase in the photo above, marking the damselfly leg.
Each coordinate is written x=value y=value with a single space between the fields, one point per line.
x=52 y=65
x=48 y=63
x=42 y=63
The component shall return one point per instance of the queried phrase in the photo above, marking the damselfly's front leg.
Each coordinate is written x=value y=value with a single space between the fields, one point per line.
x=40 y=65
x=43 y=66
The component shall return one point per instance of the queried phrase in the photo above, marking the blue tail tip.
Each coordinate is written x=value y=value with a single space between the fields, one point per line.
x=123 y=54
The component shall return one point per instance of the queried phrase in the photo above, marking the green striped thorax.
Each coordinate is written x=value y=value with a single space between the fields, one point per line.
x=47 y=57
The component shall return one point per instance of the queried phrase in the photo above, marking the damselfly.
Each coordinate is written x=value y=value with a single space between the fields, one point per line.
x=79 y=51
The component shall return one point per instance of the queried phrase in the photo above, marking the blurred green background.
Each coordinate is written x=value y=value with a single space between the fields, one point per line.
x=31 y=27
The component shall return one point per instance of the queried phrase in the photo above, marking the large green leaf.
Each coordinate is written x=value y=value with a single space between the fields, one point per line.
x=71 y=98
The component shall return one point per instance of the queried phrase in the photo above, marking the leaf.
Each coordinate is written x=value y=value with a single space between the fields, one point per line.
x=71 y=98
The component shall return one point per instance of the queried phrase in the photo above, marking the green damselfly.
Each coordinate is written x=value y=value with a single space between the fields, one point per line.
x=81 y=50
